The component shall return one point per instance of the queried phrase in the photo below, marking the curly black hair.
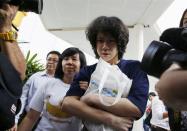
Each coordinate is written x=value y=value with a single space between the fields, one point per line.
x=66 y=53
x=112 y=25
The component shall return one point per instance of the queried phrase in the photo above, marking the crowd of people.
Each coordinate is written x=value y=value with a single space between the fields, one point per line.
x=66 y=96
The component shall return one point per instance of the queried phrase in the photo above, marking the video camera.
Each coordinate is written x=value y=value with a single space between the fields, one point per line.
x=26 y=5
x=172 y=48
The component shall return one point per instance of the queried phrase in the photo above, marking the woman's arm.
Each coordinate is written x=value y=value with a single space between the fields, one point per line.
x=123 y=108
x=29 y=120
x=74 y=106
x=36 y=107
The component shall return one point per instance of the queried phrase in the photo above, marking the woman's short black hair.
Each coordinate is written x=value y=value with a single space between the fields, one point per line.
x=112 y=25
x=182 y=18
x=66 y=53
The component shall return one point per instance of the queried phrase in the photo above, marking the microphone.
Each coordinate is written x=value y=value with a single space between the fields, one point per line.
x=175 y=37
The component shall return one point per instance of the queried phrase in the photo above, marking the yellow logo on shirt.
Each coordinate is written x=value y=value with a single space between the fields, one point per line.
x=56 y=111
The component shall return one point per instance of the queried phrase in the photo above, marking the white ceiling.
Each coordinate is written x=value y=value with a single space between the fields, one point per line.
x=67 y=19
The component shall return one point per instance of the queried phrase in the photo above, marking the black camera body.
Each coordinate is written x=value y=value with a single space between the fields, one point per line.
x=26 y=5
x=172 y=48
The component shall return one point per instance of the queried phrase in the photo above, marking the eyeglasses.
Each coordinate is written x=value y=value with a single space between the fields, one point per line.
x=52 y=60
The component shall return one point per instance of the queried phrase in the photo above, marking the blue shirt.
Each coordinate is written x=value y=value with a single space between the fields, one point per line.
x=138 y=94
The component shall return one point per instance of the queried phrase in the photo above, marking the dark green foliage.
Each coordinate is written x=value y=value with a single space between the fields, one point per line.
x=33 y=65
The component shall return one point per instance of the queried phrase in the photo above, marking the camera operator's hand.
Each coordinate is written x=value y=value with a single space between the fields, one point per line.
x=173 y=67
x=172 y=89
x=7 y=14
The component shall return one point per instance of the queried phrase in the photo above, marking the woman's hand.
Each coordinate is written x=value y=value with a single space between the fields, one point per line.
x=83 y=85
x=121 y=123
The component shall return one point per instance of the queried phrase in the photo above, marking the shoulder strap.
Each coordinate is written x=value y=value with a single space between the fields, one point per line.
x=9 y=78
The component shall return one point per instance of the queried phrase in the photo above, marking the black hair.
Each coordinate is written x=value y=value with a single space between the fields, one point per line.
x=182 y=18
x=66 y=53
x=112 y=25
x=152 y=94
x=53 y=52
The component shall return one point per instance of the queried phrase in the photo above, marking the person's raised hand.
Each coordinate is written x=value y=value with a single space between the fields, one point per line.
x=7 y=14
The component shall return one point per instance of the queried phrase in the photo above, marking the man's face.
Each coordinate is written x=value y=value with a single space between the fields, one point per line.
x=107 y=48
x=51 y=62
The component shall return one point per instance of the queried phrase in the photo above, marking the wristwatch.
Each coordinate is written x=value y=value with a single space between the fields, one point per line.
x=9 y=36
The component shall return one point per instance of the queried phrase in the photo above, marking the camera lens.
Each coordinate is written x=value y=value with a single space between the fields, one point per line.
x=32 y=5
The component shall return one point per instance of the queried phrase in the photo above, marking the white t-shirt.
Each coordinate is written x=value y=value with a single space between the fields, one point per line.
x=47 y=99
x=158 y=109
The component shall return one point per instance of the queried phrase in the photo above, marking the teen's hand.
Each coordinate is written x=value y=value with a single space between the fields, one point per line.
x=121 y=123
x=83 y=85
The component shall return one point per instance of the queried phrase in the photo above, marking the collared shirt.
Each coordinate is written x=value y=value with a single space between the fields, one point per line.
x=29 y=89
x=158 y=109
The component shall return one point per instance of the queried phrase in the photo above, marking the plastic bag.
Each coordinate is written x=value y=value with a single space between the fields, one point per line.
x=107 y=80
